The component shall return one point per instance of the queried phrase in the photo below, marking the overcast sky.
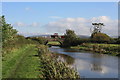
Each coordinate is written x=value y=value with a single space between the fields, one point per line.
x=35 y=18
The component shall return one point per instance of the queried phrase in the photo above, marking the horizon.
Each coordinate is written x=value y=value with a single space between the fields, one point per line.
x=40 y=18
x=81 y=36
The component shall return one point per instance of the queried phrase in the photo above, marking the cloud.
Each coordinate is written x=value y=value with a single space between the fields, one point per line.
x=55 y=17
x=19 y=24
x=26 y=34
x=111 y=26
x=22 y=24
x=27 y=8
x=35 y=24
x=28 y=29
x=82 y=25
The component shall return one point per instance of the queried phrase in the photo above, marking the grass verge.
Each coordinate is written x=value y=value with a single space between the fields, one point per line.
x=112 y=49
x=21 y=63
x=32 y=62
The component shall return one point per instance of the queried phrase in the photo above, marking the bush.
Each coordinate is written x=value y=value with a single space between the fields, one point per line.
x=40 y=40
x=52 y=68
x=100 y=38
x=42 y=49
x=118 y=40
x=70 y=38
x=21 y=40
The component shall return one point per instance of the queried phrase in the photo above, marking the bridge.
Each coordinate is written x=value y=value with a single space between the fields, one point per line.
x=54 y=42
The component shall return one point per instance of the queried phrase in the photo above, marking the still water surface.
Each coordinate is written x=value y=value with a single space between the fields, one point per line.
x=90 y=65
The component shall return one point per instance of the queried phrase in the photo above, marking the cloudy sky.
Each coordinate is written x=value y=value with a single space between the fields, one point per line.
x=35 y=18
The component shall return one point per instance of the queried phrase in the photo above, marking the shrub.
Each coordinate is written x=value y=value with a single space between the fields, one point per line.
x=118 y=40
x=70 y=37
x=53 y=69
x=40 y=40
x=100 y=38
x=42 y=49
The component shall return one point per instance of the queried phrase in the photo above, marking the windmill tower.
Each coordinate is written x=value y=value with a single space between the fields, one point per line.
x=97 y=27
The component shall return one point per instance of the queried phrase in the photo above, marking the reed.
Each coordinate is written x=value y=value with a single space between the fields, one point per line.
x=54 y=69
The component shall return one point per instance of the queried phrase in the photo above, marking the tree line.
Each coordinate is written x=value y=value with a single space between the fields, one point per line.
x=71 y=39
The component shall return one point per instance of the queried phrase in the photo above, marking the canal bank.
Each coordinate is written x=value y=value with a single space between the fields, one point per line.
x=110 y=49
x=52 y=68
x=90 y=65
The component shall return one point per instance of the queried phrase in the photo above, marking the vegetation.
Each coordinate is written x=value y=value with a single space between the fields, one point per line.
x=53 y=43
x=21 y=63
x=8 y=33
x=99 y=48
x=100 y=38
x=52 y=68
x=98 y=42
x=20 y=57
x=40 y=40
x=70 y=37
x=116 y=40
x=10 y=39
x=27 y=58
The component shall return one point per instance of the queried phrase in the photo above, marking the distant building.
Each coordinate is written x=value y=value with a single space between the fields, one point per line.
x=57 y=36
x=55 y=33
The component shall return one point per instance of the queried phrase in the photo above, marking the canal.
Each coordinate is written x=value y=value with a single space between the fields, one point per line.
x=89 y=65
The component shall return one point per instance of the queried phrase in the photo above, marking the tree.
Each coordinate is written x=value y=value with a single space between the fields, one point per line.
x=100 y=38
x=8 y=33
x=70 y=37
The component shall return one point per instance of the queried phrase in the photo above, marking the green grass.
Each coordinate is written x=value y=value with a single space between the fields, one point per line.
x=53 y=43
x=100 y=48
x=21 y=63
x=105 y=45
x=31 y=61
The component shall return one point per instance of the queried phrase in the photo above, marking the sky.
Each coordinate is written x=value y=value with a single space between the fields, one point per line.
x=38 y=18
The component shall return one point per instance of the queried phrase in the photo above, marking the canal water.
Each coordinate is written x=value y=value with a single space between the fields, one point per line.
x=89 y=65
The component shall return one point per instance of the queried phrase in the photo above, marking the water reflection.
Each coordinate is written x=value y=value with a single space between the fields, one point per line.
x=96 y=65
x=70 y=50
x=65 y=58
x=89 y=65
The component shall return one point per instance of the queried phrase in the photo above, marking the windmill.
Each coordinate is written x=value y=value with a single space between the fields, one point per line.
x=97 y=27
